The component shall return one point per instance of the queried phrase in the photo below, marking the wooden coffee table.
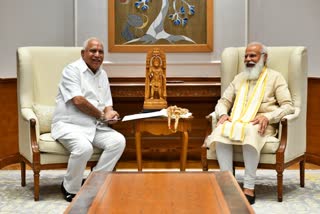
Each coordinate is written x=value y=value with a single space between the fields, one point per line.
x=160 y=192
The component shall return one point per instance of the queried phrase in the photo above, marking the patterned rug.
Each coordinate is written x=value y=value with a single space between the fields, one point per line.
x=17 y=199
x=295 y=198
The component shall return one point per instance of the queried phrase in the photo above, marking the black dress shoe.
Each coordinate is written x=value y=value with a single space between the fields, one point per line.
x=67 y=196
x=250 y=198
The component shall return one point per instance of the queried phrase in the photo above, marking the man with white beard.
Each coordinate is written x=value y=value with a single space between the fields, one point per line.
x=256 y=99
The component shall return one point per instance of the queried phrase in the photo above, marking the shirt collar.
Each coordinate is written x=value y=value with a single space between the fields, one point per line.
x=83 y=67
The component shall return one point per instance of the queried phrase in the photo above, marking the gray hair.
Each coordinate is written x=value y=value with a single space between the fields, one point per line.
x=85 y=43
x=264 y=48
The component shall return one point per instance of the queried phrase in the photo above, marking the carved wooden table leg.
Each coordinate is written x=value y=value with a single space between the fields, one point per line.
x=184 y=150
x=138 y=150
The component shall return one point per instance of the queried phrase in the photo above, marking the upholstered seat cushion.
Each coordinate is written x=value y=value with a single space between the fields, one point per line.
x=48 y=145
x=270 y=147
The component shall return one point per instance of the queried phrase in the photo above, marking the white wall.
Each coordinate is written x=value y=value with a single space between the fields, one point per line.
x=288 y=23
x=32 y=23
x=70 y=22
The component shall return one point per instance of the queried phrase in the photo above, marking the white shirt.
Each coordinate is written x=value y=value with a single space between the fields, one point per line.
x=78 y=80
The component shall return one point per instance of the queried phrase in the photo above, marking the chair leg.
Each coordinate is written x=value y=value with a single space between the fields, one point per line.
x=302 y=170
x=23 y=173
x=36 y=183
x=280 y=183
x=204 y=160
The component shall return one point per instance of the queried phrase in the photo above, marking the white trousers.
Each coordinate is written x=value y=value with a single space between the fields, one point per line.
x=81 y=149
x=251 y=160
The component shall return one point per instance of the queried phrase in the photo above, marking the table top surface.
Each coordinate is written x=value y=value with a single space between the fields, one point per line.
x=162 y=118
x=159 y=125
x=160 y=192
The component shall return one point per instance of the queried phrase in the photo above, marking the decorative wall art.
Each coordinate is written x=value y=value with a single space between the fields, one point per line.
x=172 y=25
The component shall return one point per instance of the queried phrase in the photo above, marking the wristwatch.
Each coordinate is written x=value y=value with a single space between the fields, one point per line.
x=102 y=119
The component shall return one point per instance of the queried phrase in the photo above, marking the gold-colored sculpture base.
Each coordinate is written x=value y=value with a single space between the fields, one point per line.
x=154 y=104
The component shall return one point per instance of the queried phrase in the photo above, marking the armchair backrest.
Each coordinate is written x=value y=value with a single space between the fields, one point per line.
x=291 y=62
x=39 y=71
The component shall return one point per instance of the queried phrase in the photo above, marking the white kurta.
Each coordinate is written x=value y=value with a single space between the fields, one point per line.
x=78 y=80
x=275 y=104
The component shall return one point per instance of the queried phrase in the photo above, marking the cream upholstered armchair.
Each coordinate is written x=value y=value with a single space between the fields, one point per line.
x=290 y=145
x=38 y=74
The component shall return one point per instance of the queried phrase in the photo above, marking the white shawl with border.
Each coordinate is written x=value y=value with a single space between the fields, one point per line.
x=242 y=112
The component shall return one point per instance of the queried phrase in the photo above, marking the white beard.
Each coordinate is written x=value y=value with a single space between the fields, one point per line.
x=254 y=72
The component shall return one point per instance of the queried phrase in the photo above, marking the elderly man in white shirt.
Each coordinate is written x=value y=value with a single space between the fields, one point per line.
x=83 y=112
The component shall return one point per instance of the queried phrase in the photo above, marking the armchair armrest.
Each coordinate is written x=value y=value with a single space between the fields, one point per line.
x=292 y=137
x=291 y=117
x=28 y=134
x=212 y=118
x=288 y=119
x=211 y=123
x=28 y=114
x=208 y=124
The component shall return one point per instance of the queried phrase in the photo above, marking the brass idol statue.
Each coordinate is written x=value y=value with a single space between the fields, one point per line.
x=155 y=83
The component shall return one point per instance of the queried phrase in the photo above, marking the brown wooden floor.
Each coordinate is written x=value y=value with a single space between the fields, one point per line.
x=164 y=165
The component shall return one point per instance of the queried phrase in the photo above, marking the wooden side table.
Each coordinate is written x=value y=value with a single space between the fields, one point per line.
x=159 y=126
